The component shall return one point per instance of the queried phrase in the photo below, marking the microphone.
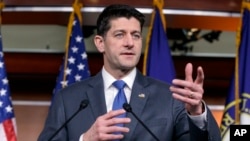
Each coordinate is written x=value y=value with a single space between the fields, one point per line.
x=83 y=105
x=128 y=108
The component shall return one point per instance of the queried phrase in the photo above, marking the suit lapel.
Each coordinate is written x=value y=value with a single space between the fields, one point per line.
x=139 y=96
x=96 y=96
x=138 y=100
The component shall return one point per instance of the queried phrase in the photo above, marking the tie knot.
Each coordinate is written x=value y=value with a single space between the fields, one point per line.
x=119 y=84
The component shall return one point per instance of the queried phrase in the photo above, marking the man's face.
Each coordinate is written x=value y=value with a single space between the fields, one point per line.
x=122 y=44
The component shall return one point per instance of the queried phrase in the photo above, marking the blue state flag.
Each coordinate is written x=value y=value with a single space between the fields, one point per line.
x=237 y=107
x=158 y=61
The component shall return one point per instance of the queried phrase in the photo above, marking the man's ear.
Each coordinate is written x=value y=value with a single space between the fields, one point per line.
x=99 y=43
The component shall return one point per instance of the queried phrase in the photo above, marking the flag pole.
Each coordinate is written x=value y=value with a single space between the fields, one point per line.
x=159 y=4
x=158 y=61
x=236 y=84
x=1 y=8
x=76 y=10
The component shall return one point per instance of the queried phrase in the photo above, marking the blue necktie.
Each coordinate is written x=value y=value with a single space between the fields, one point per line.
x=120 y=98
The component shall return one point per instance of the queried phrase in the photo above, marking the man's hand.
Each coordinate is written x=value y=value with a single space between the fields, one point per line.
x=190 y=91
x=105 y=126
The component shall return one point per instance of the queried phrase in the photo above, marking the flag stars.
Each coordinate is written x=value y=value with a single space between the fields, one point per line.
x=76 y=67
x=74 y=49
x=84 y=55
x=74 y=22
x=1 y=54
x=1 y=104
x=71 y=60
x=78 y=39
x=68 y=71
x=8 y=109
x=3 y=92
x=80 y=66
x=64 y=83
x=5 y=81
x=78 y=77
x=1 y=64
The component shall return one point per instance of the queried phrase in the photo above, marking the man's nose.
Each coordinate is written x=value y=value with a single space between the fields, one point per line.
x=129 y=41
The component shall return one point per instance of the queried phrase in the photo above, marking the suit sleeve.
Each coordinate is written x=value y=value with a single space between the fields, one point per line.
x=211 y=132
x=186 y=130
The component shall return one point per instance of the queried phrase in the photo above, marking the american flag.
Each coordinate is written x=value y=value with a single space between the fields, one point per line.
x=7 y=117
x=75 y=64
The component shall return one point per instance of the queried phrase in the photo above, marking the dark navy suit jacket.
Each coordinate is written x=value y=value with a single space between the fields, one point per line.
x=150 y=100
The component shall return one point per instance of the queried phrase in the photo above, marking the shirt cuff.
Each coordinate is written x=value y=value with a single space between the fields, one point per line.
x=200 y=120
x=81 y=137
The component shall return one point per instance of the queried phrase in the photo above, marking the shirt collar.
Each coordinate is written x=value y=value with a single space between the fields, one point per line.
x=109 y=79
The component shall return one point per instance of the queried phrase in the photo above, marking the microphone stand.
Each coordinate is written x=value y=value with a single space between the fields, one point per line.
x=83 y=105
x=128 y=108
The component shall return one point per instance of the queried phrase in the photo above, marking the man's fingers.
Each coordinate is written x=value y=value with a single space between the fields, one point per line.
x=114 y=113
x=200 y=76
x=189 y=72
x=183 y=84
x=192 y=101
x=111 y=118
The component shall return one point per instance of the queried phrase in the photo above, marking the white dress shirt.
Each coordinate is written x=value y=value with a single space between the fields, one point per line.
x=110 y=92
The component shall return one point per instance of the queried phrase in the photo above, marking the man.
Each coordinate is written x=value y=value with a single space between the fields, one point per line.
x=172 y=113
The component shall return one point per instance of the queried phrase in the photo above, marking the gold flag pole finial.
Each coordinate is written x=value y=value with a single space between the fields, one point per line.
x=160 y=5
x=1 y=5
x=77 y=9
x=1 y=8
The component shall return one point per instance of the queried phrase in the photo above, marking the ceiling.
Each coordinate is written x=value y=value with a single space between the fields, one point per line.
x=212 y=14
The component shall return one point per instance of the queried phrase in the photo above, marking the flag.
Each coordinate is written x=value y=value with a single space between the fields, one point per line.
x=158 y=61
x=75 y=64
x=237 y=107
x=7 y=117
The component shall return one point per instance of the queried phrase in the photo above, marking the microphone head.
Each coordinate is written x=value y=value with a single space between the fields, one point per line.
x=127 y=107
x=84 y=104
